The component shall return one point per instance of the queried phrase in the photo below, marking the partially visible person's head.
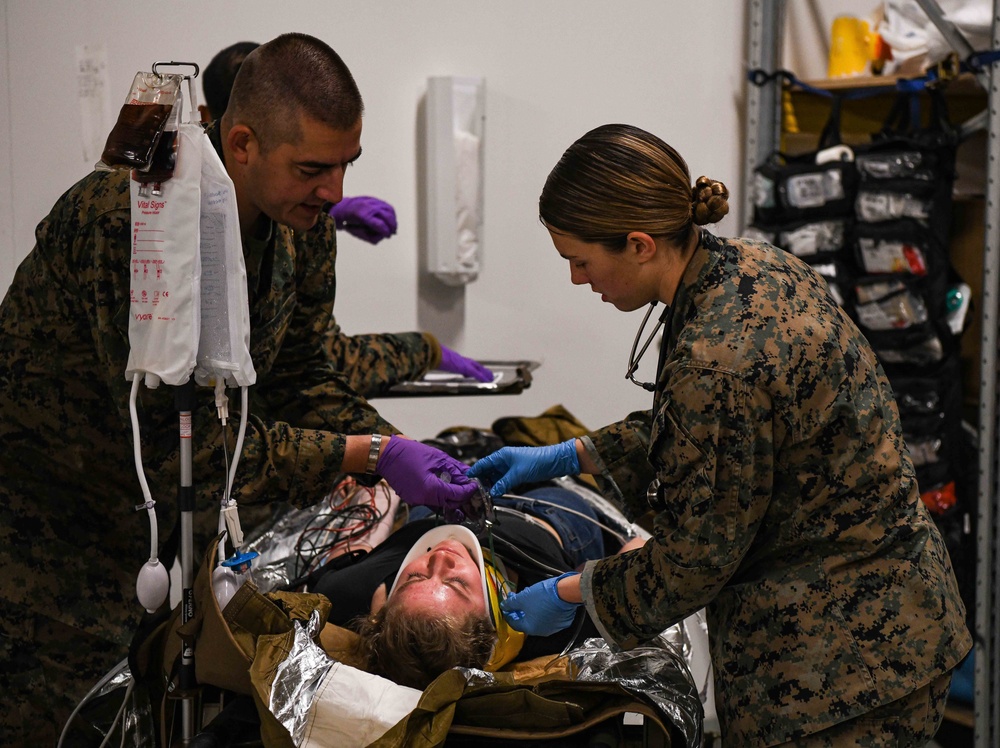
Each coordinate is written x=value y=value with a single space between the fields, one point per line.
x=292 y=127
x=218 y=76
x=617 y=179
x=286 y=79
x=617 y=188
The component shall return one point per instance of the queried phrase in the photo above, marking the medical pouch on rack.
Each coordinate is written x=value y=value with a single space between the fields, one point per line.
x=926 y=398
x=930 y=406
x=889 y=305
x=929 y=205
x=896 y=201
x=900 y=248
x=795 y=188
x=811 y=240
x=164 y=303
x=899 y=163
x=900 y=351
x=809 y=186
x=224 y=346
x=901 y=321
x=908 y=169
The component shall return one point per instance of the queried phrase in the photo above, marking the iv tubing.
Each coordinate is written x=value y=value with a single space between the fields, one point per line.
x=231 y=478
x=153 y=529
x=244 y=407
x=105 y=679
x=222 y=407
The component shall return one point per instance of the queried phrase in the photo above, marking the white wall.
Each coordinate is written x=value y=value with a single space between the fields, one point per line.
x=9 y=255
x=553 y=70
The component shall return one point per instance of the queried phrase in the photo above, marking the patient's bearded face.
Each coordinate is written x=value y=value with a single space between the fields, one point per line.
x=445 y=580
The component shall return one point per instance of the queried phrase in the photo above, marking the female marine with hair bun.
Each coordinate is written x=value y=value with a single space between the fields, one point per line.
x=783 y=498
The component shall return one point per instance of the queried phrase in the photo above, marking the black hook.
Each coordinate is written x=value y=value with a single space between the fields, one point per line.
x=188 y=64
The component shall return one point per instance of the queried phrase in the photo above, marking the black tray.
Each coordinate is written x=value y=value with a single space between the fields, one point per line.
x=510 y=378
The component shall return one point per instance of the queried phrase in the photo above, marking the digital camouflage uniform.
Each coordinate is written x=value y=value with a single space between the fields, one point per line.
x=787 y=506
x=71 y=542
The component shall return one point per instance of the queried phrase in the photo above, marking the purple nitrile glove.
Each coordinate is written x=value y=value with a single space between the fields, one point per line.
x=456 y=363
x=367 y=218
x=423 y=475
x=538 y=610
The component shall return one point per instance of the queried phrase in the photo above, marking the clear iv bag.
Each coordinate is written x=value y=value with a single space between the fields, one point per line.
x=224 y=345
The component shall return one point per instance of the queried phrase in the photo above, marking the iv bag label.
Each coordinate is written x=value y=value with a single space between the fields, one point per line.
x=149 y=294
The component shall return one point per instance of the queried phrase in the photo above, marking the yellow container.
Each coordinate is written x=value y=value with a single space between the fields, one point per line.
x=850 y=47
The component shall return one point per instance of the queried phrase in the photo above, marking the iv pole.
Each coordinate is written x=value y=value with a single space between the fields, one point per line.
x=184 y=689
x=184 y=398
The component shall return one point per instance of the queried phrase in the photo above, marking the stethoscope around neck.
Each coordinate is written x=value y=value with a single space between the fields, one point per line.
x=633 y=360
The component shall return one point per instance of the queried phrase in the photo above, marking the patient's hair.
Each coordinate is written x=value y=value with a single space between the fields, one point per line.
x=289 y=76
x=414 y=650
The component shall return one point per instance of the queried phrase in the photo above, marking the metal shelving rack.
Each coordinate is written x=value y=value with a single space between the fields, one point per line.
x=763 y=133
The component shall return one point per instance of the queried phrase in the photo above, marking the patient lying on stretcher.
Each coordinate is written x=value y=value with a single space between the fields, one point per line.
x=427 y=599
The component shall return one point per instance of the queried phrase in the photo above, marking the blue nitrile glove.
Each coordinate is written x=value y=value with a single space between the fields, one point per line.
x=367 y=218
x=456 y=363
x=513 y=466
x=538 y=610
